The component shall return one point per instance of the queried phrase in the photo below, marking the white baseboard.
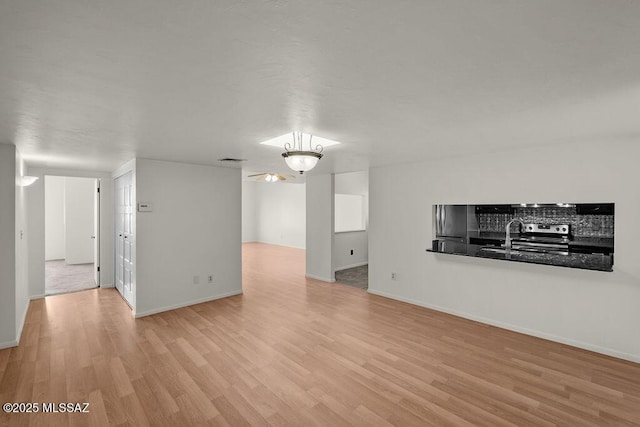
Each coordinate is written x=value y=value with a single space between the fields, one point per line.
x=8 y=344
x=275 y=244
x=107 y=286
x=322 y=279
x=185 y=304
x=21 y=325
x=357 y=264
x=34 y=297
x=515 y=328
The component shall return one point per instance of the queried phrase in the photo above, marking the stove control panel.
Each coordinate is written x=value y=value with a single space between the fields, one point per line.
x=546 y=228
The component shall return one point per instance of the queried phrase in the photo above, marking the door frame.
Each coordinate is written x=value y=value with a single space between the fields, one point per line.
x=96 y=223
x=96 y=228
x=35 y=223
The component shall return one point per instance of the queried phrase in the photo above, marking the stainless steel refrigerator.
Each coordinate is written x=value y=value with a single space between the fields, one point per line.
x=450 y=228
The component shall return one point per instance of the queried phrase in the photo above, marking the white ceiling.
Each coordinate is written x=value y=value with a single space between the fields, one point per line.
x=91 y=84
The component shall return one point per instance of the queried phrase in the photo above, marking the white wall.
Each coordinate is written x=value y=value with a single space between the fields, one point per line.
x=35 y=222
x=249 y=212
x=281 y=213
x=274 y=213
x=54 y=218
x=343 y=243
x=7 y=245
x=69 y=219
x=79 y=220
x=355 y=183
x=349 y=213
x=589 y=309
x=320 y=199
x=14 y=298
x=21 y=249
x=352 y=183
x=194 y=230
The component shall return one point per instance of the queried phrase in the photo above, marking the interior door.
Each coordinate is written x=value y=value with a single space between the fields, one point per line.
x=119 y=237
x=96 y=233
x=124 y=236
x=127 y=260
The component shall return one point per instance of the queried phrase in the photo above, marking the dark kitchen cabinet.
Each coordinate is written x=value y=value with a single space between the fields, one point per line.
x=494 y=209
x=595 y=208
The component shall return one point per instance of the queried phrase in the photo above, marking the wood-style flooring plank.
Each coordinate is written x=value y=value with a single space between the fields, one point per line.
x=295 y=351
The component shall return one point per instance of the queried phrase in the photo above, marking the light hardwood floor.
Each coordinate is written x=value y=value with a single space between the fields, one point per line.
x=301 y=352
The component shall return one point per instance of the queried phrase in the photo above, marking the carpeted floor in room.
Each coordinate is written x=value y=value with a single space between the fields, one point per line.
x=357 y=277
x=61 y=278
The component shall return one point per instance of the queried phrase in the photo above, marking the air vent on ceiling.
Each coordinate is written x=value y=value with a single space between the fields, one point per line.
x=232 y=160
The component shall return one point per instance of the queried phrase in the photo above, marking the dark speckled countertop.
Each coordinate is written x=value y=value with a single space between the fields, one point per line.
x=603 y=242
x=589 y=261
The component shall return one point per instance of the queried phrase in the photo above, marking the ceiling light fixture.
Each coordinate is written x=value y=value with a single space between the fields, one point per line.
x=282 y=140
x=270 y=177
x=297 y=158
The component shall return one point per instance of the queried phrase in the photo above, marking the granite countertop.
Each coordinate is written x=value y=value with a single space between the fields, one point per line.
x=576 y=260
x=604 y=242
x=598 y=262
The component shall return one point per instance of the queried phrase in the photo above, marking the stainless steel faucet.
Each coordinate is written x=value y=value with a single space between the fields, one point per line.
x=507 y=242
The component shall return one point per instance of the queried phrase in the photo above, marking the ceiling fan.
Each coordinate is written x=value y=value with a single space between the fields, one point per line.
x=270 y=177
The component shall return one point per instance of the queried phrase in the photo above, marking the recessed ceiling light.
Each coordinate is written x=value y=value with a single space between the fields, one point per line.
x=281 y=140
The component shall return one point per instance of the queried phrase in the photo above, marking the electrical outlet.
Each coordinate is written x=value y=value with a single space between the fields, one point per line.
x=210 y=278
x=351 y=251
x=393 y=276
x=196 y=280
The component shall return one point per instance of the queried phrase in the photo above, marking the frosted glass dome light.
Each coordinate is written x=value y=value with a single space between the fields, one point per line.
x=301 y=161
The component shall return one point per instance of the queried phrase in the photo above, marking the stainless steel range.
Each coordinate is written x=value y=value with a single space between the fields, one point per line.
x=546 y=238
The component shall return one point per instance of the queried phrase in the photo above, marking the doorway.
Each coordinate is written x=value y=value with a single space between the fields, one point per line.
x=72 y=238
x=351 y=238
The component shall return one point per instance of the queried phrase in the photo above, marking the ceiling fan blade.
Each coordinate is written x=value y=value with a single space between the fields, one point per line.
x=257 y=174
x=284 y=177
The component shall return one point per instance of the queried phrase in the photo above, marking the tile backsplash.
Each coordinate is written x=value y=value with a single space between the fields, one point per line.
x=581 y=225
